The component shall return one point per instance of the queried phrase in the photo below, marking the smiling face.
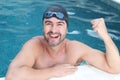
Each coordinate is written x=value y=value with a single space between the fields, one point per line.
x=54 y=31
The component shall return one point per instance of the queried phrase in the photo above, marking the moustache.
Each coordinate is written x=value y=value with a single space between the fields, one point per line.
x=50 y=32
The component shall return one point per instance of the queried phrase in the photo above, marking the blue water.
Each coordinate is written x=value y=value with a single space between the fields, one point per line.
x=20 y=20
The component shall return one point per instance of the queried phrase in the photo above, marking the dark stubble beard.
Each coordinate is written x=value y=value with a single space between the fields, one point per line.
x=62 y=38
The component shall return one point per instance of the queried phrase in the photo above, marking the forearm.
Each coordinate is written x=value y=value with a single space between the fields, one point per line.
x=41 y=74
x=112 y=53
x=27 y=73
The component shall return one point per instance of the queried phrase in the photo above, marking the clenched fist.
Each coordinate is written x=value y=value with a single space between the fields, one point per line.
x=100 y=27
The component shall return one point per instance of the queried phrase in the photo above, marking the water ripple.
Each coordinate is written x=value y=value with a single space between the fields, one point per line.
x=112 y=33
x=21 y=7
x=74 y=32
x=92 y=7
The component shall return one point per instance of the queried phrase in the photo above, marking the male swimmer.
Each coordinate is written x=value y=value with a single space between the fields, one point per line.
x=52 y=55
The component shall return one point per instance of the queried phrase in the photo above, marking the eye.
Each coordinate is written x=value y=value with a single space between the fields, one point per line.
x=60 y=24
x=48 y=23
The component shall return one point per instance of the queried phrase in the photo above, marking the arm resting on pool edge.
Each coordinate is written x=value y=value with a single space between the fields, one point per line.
x=28 y=73
x=21 y=68
x=112 y=53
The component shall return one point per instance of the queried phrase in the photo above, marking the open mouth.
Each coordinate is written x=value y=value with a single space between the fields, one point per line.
x=54 y=36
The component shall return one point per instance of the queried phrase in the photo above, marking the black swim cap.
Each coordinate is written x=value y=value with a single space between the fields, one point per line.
x=62 y=13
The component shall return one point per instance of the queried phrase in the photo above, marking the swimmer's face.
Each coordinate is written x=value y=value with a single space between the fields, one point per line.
x=54 y=31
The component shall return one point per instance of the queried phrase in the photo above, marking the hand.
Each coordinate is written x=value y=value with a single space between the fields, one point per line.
x=63 y=70
x=100 y=27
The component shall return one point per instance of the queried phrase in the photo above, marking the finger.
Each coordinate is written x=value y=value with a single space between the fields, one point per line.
x=71 y=70
x=96 y=24
x=94 y=21
x=63 y=65
x=71 y=67
x=98 y=19
x=66 y=64
x=95 y=29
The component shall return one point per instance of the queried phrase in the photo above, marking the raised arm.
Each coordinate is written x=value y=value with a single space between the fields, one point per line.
x=110 y=61
x=112 y=53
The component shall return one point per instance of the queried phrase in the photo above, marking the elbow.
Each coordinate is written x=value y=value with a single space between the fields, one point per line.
x=10 y=76
x=15 y=75
x=114 y=71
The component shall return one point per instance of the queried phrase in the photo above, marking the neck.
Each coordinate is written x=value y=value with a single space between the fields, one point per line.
x=56 y=49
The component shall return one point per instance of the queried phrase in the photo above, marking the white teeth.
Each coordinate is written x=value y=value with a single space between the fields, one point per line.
x=54 y=35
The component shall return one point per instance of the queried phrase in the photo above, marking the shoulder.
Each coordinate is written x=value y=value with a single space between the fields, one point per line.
x=34 y=41
x=77 y=46
x=28 y=54
x=74 y=43
x=33 y=45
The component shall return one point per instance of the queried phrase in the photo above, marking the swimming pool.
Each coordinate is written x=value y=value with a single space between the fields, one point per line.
x=21 y=20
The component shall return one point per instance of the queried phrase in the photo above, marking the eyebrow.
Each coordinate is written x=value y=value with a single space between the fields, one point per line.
x=48 y=21
x=61 y=22
x=51 y=22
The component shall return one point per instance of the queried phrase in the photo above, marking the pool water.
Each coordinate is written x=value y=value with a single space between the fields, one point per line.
x=21 y=20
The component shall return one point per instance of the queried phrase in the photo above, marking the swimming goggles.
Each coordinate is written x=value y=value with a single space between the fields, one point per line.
x=58 y=15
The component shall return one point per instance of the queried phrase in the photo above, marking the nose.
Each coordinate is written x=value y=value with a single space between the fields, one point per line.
x=53 y=29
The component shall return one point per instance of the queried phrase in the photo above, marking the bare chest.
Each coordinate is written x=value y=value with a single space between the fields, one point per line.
x=47 y=61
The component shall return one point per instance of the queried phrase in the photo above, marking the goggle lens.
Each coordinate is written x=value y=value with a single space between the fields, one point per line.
x=58 y=15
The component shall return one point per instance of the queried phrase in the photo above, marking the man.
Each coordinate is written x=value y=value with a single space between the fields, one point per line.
x=52 y=55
